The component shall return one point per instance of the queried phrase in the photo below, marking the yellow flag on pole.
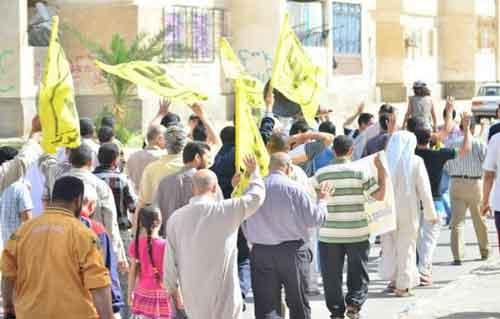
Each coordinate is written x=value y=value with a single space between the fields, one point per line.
x=56 y=99
x=153 y=77
x=248 y=95
x=294 y=74
x=248 y=138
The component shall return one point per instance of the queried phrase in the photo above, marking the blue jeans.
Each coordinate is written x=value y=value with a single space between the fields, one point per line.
x=444 y=188
x=245 y=276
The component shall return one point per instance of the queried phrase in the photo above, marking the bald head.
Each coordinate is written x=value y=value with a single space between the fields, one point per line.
x=280 y=162
x=278 y=143
x=204 y=182
x=156 y=136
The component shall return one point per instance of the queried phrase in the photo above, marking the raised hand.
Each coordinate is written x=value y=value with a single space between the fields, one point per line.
x=164 y=107
x=361 y=107
x=325 y=189
x=250 y=164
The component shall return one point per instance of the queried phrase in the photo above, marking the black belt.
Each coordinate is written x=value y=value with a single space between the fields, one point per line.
x=466 y=177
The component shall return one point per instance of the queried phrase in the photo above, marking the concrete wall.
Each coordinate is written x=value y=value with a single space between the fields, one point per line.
x=252 y=27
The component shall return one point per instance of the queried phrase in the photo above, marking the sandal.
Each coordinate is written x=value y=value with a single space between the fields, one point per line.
x=403 y=293
x=390 y=288
x=425 y=281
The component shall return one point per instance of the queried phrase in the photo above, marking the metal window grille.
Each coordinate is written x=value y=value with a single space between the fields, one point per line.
x=192 y=33
x=306 y=19
x=347 y=28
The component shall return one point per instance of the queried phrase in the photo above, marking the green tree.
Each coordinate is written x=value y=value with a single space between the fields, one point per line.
x=143 y=47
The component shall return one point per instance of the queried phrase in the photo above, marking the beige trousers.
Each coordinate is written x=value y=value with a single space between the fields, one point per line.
x=467 y=194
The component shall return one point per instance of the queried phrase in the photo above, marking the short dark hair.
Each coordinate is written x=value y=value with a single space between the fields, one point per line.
x=364 y=118
x=192 y=149
x=416 y=123
x=108 y=120
x=108 y=152
x=80 y=156
x=278 y=143
x=386 y=108
x=327 y=127
x=7 y=153
x=193 y=117
x=300 y=126
x=67 y=189
x=423 y=136
x=170 y=119
x=342 y=144
x=453 y=114
x=227 y=135
x=86 y=127
x=383 y=120
x=105 y=134
x=200 y=133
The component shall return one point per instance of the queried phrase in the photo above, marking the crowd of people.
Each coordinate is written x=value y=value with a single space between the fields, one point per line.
x=158 y=235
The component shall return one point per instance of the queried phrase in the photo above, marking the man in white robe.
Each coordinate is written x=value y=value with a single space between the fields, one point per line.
x=201 y=253
x=411 y=188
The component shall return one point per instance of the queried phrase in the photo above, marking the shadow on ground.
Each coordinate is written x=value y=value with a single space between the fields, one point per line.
x=472 y=315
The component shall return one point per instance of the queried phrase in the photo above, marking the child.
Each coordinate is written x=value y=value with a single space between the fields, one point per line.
x=147 y=297
x=110 y=259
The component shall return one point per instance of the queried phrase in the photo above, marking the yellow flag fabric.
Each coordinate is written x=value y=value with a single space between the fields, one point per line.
x=153 y=77
x=248 y=95
x=56 y=100
x=248 y=138
x=233 y=69
x=294 y=74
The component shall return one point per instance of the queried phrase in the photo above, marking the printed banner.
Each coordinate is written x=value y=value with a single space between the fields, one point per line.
x=248 y=138
x=56 y=100
x=294 y=74
x=152 y=76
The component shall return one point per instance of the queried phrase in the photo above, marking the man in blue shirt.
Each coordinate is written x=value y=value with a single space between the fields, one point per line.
x=279 y=232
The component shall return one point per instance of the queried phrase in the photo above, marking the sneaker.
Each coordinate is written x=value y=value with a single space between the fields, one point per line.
x=353 y=312
x=485 y=257
x=457 y=263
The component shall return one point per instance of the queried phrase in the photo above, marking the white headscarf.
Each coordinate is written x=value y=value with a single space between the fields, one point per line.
x=400 y=155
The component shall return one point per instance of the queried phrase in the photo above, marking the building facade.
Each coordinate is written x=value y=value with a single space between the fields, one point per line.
x=370 y=50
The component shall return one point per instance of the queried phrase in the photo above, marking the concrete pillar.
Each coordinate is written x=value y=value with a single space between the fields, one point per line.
x=390 y=50
x=457 y=47
x=17 y=103
x=254 y=30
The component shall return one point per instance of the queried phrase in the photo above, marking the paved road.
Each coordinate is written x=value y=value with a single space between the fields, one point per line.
x=383 y=306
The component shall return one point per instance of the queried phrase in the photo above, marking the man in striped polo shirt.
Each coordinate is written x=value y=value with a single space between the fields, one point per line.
x=345 y=231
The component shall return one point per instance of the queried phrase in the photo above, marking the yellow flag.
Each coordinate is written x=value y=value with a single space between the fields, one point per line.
x=56 y=100
x=248 y=138
x=248 y=95
x=294 y=74
x=153 y=77
x=233 y=69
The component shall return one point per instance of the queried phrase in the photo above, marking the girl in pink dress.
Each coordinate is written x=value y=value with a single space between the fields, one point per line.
x=147 y=296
